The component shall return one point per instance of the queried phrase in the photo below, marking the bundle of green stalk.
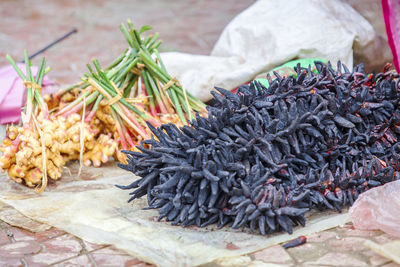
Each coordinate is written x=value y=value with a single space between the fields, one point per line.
x=29 y=151
x=95 y=119
x=44 y=142
x=136 y=88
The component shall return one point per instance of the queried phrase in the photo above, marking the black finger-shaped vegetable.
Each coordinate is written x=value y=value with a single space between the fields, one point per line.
x=264 y=157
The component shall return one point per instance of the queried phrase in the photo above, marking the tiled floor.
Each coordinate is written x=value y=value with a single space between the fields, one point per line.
x=188 y=26
x=19 y=247
x=342 y=246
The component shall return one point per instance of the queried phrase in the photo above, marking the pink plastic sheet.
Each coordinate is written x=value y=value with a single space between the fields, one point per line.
x=378 y=209
x=12 y=93
x=391 y=14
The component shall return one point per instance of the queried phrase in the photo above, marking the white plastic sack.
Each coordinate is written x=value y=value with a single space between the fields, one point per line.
x=271 y=32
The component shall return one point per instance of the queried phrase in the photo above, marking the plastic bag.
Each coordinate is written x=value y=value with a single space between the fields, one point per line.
x=270 y=33
x=378 y=209
x=12 y=93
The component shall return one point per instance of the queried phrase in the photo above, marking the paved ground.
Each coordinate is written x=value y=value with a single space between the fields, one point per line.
x=188 y=26
x=342 y=246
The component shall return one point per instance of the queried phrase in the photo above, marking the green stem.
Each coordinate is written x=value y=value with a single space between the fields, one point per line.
x=177 y=106
x=126 y=70
x=78 y=107
x=163 y=75
x=65 y=90
x=73 y=103
x=40 y=74
x=28 y=66
x=192 y=100
x=112 y=93
x=186 y=106
x=157 y=94
x=131 y=83
x=149 y=93
x=160 y=60
x=152 y=42
x=94 y=108
x=128 y=37
x=17 y=69
x=117 y=61
x=115 y=70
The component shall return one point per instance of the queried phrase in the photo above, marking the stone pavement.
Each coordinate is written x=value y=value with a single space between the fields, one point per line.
x=342 y=246
x=188 y=26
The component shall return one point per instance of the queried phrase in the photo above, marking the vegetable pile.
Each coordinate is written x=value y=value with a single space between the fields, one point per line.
x=134 y=89
x=39 y=149
x=264 y=157
x=94 y=119
x=21 y=147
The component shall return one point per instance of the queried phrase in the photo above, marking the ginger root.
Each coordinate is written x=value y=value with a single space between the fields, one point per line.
x=22 y=148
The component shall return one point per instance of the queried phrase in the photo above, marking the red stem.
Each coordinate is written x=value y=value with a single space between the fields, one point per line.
x=73 y=110
x=44 y=109
x=91 y=115
x=127 y=135
x=128 y=114
x=89 y=110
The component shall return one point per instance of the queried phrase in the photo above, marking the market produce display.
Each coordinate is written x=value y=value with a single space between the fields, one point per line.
x=21 y=147
x=264 y=157
x=134 y=89
x=96 y=118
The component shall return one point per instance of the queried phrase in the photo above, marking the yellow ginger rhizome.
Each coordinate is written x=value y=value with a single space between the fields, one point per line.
x=97 y=118
x=40 y=147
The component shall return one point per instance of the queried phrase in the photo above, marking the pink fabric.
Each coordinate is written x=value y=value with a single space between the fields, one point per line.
x=12 y=93
x=391 y=14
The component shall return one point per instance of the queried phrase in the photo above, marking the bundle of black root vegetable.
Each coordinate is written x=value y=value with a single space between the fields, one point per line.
x=264 y=157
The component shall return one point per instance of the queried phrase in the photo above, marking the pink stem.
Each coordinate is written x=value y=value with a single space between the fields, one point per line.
x=73 y=110
x=127 y=135
x=45 y=111
x=89 y=110
x=142 y=131
x=91 y=115
x=65 y=109
x=122 y=138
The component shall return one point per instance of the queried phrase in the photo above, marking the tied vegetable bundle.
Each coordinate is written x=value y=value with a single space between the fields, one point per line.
x=39 y=149
x=96 y=118
x=264 y=156
x=134 y=89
